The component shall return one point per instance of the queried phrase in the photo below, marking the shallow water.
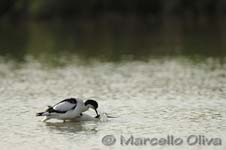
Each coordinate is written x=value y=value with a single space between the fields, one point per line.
x=155 y=98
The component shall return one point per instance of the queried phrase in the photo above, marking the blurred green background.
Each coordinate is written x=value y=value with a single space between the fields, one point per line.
x=76 y=8
x=112 y=30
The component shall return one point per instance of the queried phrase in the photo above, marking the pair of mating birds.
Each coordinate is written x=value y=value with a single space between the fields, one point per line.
x=69 y=109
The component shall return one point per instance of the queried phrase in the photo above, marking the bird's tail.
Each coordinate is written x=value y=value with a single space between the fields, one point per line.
x=42 y=114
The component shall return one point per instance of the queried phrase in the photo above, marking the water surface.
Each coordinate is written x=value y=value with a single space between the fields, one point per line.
x=157 y=97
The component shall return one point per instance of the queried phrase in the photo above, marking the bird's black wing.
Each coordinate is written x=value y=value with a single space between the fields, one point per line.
x=63 y=106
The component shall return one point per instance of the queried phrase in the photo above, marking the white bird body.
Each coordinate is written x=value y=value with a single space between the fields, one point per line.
x=70 y=112
x=68 y=109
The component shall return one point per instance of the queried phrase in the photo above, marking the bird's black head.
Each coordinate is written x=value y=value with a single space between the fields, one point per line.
x=92 y=103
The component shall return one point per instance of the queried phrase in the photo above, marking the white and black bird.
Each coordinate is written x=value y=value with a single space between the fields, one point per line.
x=69 y=109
